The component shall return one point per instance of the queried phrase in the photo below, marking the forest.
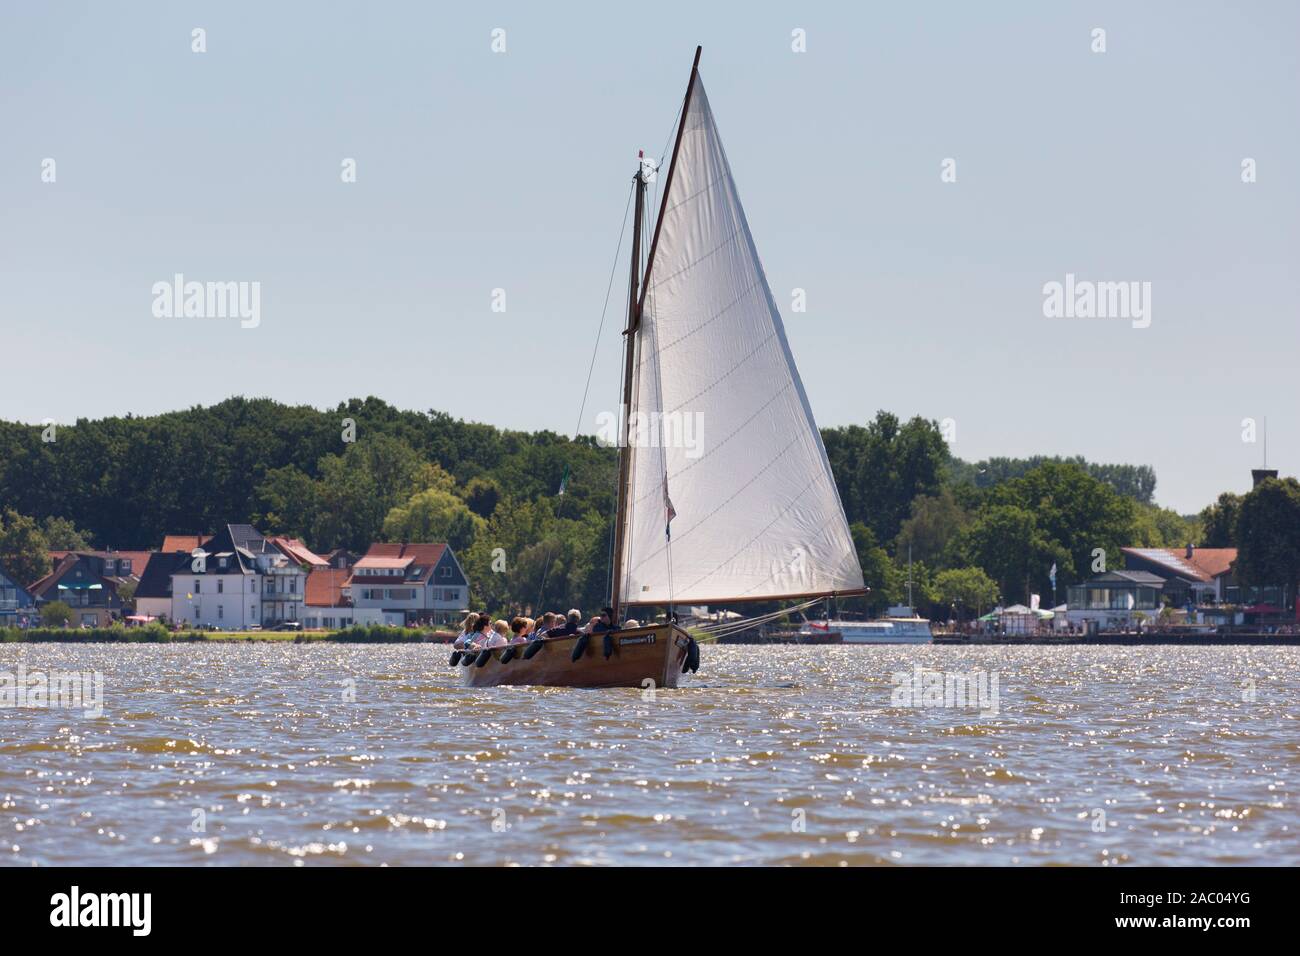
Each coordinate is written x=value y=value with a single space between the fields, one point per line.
x=530 y=513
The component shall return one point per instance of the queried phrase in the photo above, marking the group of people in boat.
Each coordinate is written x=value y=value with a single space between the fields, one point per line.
x=479 y=631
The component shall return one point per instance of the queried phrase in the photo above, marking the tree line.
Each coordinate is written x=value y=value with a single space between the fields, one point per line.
x=365 y=471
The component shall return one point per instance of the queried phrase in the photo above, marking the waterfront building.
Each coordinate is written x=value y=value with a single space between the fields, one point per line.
x=78 y=581
x=1192 y=575
x=241 y=580
x=410 y=583
x=329 y=605
x=1115 y=599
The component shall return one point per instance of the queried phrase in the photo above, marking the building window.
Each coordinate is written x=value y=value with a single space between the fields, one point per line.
x=221 y=611
x=221 y=586
x=198 y=586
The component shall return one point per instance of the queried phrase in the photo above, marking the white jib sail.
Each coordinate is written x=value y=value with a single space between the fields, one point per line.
x=723 y=440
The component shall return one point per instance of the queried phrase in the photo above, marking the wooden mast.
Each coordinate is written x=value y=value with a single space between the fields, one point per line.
x=629 y=361
x=635 y=303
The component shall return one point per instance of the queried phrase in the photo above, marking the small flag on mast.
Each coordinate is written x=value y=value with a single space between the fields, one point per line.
x=564 y=481
x=1052 y=574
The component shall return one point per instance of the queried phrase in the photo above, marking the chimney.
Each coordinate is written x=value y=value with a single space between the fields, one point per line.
x=1261 y=474
x=1190 y=549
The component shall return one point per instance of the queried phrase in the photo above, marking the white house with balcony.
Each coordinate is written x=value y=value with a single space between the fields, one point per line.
x=236 y=581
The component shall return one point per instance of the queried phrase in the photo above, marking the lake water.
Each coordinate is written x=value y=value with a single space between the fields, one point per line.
x=310 y=754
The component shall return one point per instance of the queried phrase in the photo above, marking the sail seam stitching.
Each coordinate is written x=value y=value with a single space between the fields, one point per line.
x=739 y=491
x=660 y=280
x=719 y=314
x=746 y=545
x=722 y=378
x=736 y=431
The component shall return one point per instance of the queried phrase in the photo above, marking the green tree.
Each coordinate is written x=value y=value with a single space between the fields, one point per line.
x=878 y=570
x=1219 y=522
x=1268 y=532
x=289 y=503
x=1074 y=516
x=1007 y=543
x=23 y=550
x=482 y=495
x=969 y=589
x=935 y=520
x=62 y=535
x=881 y=468
x=56 y=614
x=359 y=488
x=433 y=515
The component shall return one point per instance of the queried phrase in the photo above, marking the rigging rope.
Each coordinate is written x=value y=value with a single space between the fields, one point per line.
x=724 y=628
x=604 y=311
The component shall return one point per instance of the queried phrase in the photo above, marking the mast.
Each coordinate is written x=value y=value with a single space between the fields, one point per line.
x=635 y=303
x=629 y=361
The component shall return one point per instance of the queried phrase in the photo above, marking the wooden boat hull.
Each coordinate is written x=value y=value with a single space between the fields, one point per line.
x=639 y=655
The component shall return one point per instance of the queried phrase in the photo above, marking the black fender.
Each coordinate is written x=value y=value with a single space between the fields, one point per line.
x=508 y=654
x=533 y=648
x=455 y=659
x=609 y=645
x=581 y=647
x=484 y=656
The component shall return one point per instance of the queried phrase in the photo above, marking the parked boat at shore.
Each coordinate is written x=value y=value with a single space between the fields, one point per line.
x=901 y=625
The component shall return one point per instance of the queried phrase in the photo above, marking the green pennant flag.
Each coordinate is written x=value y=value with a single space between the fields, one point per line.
x=564 y=480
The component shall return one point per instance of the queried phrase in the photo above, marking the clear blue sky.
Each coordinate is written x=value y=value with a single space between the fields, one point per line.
x=479 y=170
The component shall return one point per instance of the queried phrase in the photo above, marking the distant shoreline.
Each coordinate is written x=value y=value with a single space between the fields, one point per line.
x=158 y=635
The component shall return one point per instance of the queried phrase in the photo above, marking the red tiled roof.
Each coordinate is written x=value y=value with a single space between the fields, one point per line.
x=184 y=542
x=1205 y=564
x=1214 y=561
x=325 y=587
x=388 y=555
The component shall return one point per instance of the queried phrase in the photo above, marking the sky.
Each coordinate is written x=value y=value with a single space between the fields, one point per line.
x=478 y=169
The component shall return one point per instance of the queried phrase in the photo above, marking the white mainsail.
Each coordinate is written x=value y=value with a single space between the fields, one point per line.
x=723 y=443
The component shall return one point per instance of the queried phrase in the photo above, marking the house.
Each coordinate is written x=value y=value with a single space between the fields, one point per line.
x=78 y=582
x=17 y=606
x=1192 y=575
x=410 y=583
x=239 y=580
x=328 y=605
x=1115 y=599
x=153 y=595
x=341 y=558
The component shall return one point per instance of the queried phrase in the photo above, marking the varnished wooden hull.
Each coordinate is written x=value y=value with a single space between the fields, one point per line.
x=639 y=655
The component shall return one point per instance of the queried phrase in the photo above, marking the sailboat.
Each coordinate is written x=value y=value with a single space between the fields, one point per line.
x=747 y=512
